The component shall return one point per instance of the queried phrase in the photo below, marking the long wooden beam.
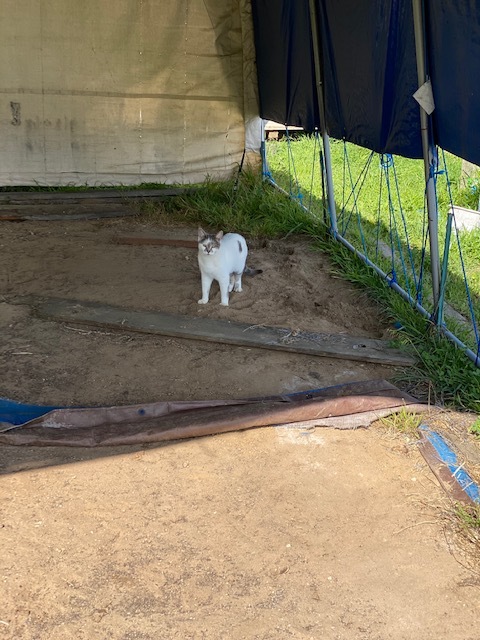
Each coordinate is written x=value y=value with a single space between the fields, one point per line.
x=220 y=331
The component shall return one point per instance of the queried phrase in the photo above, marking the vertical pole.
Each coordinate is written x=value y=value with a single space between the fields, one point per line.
x=321 y=110
x=263 y=150
x=429 y=157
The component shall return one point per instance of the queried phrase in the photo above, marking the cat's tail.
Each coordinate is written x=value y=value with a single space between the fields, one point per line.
x=251 y=272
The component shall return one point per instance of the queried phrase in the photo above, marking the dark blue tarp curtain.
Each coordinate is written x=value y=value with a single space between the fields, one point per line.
x=368 y=63
x=454 y=55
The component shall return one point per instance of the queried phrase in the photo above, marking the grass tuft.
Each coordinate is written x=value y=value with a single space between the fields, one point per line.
x=475 y=428
x=404 y=422
x=468 y=517
x=249 y=207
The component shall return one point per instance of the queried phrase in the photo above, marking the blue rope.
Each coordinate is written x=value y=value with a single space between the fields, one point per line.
x=378 y=211
x=298 y=195
x=419 y=291
x=362 y=176
x=393 y=223
x=410 y=254
x=355 y=196
x=314 y=164
x=462 y=263
x=344 y=169
x=390 y=225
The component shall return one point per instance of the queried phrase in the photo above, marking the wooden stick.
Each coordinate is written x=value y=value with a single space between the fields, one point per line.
x=169 y=242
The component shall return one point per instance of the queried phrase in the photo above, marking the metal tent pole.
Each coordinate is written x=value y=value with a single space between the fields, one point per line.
x=321 y=110
x=429 y=155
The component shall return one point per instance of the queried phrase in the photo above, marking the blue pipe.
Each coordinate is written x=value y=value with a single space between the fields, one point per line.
x=448 y=457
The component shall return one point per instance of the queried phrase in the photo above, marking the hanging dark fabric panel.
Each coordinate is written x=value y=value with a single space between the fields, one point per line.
x=370 y=74
x=369 y=68
x=286 y=77
x=453 y=36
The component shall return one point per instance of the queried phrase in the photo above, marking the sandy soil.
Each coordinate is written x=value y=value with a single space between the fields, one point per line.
x=268 y=534
x=49 y=363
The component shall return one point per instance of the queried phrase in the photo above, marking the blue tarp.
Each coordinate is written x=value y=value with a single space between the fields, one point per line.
x=369 y=71
x=454 y=53
x=18 y=413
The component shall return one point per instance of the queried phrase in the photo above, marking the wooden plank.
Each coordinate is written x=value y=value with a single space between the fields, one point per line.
x=222 y=331
x=87 y=210
x=86 y=215
x=168 y=242
x=100 y=195
x=70 y=206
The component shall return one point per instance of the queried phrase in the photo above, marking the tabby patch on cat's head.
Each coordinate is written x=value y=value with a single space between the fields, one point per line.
x=209 y=243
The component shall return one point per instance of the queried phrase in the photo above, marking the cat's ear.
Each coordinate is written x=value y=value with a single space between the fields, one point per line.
x=219 y=236
x=201 y=234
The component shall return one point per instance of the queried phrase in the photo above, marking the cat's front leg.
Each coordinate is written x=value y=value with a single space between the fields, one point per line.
x=206 y=284
x=224 y=289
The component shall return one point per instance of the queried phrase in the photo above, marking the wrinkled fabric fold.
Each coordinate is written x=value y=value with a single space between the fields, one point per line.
x=164 y=421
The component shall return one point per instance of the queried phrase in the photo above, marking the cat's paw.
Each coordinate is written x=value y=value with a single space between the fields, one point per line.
x=224 y=304
x=238 y=288
x=230 y=288
x=202 y=301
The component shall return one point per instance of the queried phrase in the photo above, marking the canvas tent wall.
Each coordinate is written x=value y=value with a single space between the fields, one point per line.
x=125 y=92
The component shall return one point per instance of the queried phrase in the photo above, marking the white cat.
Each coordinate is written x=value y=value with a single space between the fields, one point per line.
x=222 y=258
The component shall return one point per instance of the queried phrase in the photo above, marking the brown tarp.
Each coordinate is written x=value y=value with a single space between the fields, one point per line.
x=162 y=421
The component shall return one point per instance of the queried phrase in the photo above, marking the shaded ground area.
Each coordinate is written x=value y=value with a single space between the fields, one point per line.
x=270 y=533
x=46 y=362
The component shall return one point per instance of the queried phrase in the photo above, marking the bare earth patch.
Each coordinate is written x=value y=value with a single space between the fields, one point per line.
x=270 y=533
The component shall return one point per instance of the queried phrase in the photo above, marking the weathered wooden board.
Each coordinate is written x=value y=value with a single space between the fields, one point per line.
x=43 y=212
x=27 y=197
x=222 y=331
x=18 y=206
x=149 y=241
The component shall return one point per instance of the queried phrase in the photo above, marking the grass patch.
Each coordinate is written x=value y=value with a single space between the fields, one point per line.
x=375 y=219
x=443 y=374
x=475 y=428
x=403 y=422
x=255 y=209
x=249 y=207
x=469 y=517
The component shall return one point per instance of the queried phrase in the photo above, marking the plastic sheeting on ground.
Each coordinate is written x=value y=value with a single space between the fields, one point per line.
x=163 y=421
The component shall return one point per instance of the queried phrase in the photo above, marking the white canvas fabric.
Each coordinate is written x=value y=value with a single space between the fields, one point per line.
x=125 y=92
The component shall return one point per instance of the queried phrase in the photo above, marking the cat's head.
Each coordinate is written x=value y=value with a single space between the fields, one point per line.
x=208 y=243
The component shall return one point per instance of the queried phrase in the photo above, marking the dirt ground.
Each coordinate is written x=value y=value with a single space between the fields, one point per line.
x=270 y=533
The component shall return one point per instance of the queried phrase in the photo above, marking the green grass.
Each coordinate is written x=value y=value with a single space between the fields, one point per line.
x=256 y=209
x=475 y=428
x=362 y=220
x=442 y=373
x=403 y=422
x=469 y=517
